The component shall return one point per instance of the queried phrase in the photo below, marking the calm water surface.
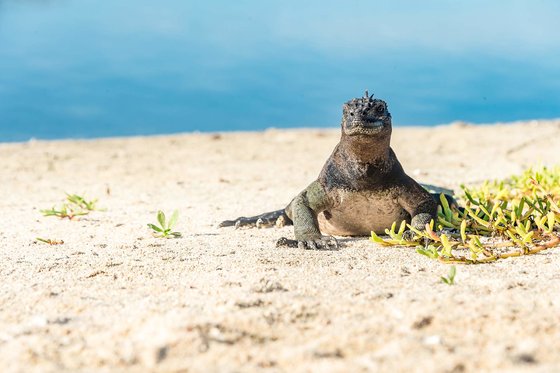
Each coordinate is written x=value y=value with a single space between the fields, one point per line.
x=88 y=68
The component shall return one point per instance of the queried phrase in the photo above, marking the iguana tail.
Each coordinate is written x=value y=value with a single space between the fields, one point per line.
x=268 y=219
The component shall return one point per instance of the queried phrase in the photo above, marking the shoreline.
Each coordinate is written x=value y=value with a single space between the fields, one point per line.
x=273 y=128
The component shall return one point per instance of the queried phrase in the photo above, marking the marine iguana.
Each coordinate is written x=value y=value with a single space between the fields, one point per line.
x=361 y=188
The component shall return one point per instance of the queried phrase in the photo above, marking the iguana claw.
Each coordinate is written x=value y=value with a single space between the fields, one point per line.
x=408 y=235
x=324 y=243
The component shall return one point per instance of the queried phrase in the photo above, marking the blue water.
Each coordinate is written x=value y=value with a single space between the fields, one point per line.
x=90 y=68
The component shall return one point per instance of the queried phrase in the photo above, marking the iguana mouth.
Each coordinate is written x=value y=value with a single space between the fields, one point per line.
x=376 y=124
x=365 y=128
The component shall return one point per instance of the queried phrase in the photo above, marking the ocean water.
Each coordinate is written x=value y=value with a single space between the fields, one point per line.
x=87 y=68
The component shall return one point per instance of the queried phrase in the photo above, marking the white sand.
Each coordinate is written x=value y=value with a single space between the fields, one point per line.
x=113 y=298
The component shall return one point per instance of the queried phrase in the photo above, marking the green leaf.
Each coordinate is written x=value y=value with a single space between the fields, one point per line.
x=479 y=220
x=418 y=232
x=446 y=209
x=551 y=220
x=173 y=219
x=161 y=219
x=450 y=279
x=391 y=232
x=447 y=248
x=431 y=251
x=402 y=228
x=485 y=211
x=375 y=238
x=155 y=228
x=528 y=237
x=442 y=220
x=528 y=226
x=521 y=207
x=464 y=230
x=425 y=252
x=452 y=272
x=470 y=198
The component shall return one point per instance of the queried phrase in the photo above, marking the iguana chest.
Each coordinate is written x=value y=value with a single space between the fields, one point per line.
x=359 y=213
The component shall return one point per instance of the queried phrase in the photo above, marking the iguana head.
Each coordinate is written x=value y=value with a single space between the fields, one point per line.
x=366 y=117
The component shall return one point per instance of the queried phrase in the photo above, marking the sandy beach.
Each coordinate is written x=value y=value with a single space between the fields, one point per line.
x=114 y=298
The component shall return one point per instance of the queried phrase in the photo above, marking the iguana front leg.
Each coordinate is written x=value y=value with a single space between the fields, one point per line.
x=303 y=212
x=419 y=203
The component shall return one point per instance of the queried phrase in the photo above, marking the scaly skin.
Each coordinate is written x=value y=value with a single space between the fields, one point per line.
x=303 y=211
x=362 y=187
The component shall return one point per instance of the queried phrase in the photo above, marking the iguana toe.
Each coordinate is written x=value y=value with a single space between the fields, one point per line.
x=408 y=235
x=324 y=243
x=282 y=221
x=286 y=242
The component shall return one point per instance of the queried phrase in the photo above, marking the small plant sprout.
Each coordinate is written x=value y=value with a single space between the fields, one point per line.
x=165 y=229
x=82 y=202
x=49 y=241
x=501 y=219
x=74 y=205
x=64 y=211
x=450 y=278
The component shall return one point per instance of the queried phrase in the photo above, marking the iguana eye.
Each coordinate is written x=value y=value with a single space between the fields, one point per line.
x=380 y=109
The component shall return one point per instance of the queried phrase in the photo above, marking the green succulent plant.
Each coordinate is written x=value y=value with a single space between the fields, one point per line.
x=450 y=278
x=500 y=219
x=165 y=228
x=74 y=205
